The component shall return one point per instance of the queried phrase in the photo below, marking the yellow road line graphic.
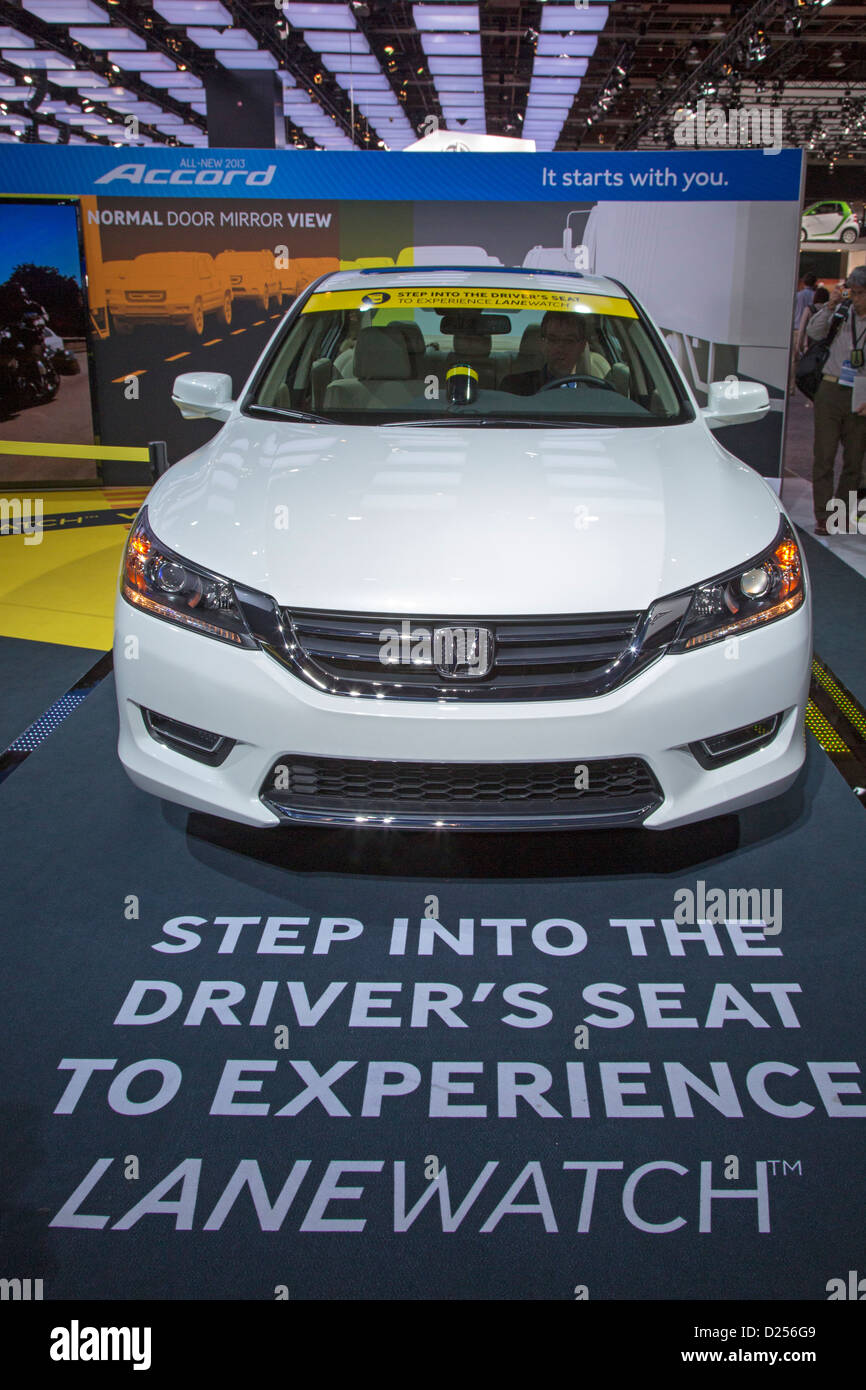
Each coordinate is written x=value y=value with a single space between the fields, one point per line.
x=176 y=358
x=117 y=379
x=236 y=331
x=211 y=342
x=258 y=323
x=481 y=297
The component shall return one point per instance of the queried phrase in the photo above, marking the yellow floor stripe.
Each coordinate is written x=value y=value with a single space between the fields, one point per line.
x=840 y=699
x=63 y=589
x=82 y=499
x=824 y=731
x=76 y=451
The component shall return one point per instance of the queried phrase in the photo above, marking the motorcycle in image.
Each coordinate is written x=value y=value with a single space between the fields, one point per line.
x=28 y=375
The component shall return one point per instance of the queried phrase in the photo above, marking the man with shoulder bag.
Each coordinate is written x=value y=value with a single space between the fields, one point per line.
x=840 y=325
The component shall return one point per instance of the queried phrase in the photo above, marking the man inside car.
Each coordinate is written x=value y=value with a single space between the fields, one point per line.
x=566 y=353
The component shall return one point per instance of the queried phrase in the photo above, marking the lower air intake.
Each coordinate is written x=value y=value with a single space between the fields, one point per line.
x=612 y=791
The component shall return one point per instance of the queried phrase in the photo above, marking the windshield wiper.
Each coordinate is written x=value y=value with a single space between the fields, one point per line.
x=526 y=422
x=275 y=412
x=530 y=422
x=437 y=420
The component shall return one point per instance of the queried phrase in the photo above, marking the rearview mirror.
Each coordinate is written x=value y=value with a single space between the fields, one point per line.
x=476 y=324
x=203 y=395
x=735 y=402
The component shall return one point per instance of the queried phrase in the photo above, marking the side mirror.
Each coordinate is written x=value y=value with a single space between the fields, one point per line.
x=735 y=402
x=203 y=395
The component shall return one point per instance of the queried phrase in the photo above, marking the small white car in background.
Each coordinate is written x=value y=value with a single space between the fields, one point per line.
x=501 y=575
x=831 y=220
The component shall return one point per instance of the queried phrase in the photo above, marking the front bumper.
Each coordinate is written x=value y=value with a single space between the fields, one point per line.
x=153 y=311
x=269 y=713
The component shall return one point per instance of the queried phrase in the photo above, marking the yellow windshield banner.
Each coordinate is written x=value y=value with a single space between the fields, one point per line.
x=465 y=297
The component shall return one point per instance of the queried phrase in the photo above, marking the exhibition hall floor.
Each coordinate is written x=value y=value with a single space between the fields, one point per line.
x=460 y=1067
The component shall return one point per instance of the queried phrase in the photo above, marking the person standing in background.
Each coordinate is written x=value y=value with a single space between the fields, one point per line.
x=803 y=300
x=801 y=342
x=804 y=296
x=835 y=417
x=822 y=294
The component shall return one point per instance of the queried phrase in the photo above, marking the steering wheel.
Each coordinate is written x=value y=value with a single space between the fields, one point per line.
x=584 y=380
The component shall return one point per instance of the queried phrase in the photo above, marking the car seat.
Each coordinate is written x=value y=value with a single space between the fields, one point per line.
x=620 y=377
x=382 y=375
x=322 y=373
x=530 y=357
x=410 y=334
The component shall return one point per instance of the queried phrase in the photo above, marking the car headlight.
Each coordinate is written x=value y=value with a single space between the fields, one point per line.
x=163 y=584
x=766 y=588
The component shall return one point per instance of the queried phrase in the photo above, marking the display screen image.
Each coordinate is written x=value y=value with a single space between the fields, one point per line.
x=44 y=380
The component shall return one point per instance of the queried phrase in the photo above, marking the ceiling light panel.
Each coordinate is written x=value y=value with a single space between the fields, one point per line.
x=109 y=37
x=142 y=62
x=10 y=38
x=342 y=63
x=445 y=17
x=319 y=16
x=560 y=67
x=326 y=41
x=148 y=109
x=460 y=45
x=247 y=60
x=229 y=38
x=65 y=11
x=572 y=17
x=37 y=59
x=175 y=79
x=463 y=67
x=448 y=82
x=81 y=81
x=566 y=46
x=193 y=12
x=554 y=84
x=364 y=81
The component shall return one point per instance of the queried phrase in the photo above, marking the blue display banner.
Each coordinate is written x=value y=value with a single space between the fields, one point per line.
x=628 y=176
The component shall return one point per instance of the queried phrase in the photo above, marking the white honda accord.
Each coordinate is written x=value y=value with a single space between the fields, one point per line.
x=465 y=554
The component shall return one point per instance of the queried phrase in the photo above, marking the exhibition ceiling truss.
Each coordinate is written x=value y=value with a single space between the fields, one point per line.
x=378 y=75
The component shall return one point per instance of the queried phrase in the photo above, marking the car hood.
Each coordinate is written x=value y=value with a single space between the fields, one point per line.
x=454 y=521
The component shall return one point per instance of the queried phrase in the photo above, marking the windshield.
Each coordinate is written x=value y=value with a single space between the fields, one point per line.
x=482 y=355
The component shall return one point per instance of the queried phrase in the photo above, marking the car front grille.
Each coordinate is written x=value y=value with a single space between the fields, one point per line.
x=608 y=791
x=546 y=658
x=145 y=296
